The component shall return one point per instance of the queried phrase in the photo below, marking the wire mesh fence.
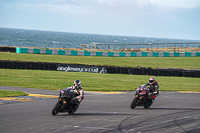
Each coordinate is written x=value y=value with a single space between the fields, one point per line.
x=139 y=46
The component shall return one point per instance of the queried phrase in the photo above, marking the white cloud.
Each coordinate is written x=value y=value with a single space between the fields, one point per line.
x=112 y=6
x=176 y=3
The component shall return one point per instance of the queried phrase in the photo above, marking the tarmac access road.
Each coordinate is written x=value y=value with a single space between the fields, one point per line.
x=102 y=113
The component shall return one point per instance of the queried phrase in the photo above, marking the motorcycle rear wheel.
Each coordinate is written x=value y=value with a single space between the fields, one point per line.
x=55 y=109
x=73 y=109
x=134 y=103
x=147 y=105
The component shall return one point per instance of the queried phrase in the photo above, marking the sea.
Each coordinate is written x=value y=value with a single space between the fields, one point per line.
x=52 y=39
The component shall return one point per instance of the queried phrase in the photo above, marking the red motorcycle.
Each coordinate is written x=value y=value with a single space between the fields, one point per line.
x=141 y=98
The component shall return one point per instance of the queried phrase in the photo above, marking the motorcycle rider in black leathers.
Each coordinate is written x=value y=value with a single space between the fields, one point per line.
x=154 y=88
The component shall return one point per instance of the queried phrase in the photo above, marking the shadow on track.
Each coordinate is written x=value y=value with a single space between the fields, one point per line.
x=94 y=114
x=166 y=109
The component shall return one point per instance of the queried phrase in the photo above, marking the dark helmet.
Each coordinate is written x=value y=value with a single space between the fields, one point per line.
x=78 y=82
x=152 y=80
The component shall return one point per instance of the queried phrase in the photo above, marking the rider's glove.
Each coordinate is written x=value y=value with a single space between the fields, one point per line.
x=75 y=87
x=77 y=98
x=75 y=91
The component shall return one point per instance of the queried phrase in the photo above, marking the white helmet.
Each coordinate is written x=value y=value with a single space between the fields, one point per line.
x=152 y=80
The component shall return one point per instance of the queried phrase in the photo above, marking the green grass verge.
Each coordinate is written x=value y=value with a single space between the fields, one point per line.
x=154 y=62
x=56 y=80
x=5 y=93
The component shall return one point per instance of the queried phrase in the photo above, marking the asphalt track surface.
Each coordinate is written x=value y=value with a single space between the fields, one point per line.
x=102 y=113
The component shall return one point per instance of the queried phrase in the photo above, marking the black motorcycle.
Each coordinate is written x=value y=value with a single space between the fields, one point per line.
x=141 y=98
x=66 y=102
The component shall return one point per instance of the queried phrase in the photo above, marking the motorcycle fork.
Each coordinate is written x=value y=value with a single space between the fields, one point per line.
x=140 y=100
x=65 y=103
x=141 y=97
x=59 y=99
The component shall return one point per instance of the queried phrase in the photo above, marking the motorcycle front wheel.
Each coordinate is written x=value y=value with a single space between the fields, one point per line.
x=134 y=103
x=56 y=108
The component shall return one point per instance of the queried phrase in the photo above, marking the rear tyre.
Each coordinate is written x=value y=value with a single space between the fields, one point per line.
x=55 y=109
x=73 y=109
x=134 y=103
x=148 y=104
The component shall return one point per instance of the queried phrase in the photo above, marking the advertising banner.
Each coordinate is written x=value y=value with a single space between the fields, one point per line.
x=81 y=68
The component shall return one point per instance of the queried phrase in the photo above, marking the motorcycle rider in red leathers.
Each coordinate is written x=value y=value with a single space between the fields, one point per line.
x=78 y=90
x=154 y=88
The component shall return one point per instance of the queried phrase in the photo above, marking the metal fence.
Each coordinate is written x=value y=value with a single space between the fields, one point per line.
x=138 y=46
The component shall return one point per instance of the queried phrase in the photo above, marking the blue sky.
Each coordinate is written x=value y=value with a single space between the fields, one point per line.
x=179 y=19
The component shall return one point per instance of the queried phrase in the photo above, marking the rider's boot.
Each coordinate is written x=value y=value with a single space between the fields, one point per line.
x=153 y=98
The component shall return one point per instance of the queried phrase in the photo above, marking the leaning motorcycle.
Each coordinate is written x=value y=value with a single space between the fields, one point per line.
x=141 y=98
x=66 y=102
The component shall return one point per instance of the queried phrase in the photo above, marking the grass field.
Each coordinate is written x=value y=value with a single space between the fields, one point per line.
x=56 y=80
x=154 y=62
x=5 y=93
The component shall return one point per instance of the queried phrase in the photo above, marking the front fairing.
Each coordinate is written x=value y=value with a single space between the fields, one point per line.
x=67 y=93
x=141 y=93
x=66 y=98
